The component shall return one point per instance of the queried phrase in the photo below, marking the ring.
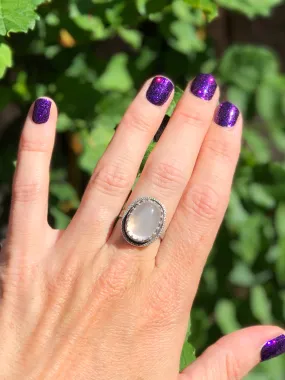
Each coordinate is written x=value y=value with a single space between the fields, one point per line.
x=143 y=222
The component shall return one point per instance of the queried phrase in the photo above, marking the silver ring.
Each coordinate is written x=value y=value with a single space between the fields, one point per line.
x=143 y=222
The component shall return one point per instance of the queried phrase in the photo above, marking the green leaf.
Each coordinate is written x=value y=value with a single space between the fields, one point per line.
x=89 y=23
x=274 y=369
x=239 y=97
x=241 y=275
x=114 y=14
x=177 y=95
x=251 y=65
x=260 y=305
x=65 y=192
x=147 y=153
x=249 y=244
x=132 y=37
x=116 y=76
x=118 y=103
x=261 y=196
x=280 y=220
x=211 y=279
x=280 y=261
x=64 y=123
x=258 y=145
x=38 y=2
x=185 y=38
x=95 y=145
x=188 y=351
x=207 y=6
x=21 y=87
x=267 y=101
x=250 y=8
x=256 y=376
x=236 y=214
x=146 y=57
x=6 y=59
x=141 y=6
x=17 y=15
x=187 y=355
x=225 y=313
x=61 y=220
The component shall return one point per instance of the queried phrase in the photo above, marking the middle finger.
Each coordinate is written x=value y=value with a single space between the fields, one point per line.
x=116 y=171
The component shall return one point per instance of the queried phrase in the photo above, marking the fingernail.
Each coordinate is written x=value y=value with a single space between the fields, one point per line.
x=159 y=90
x=227 y=114
x=41 y=111
x=273 y=348
x=204 y=86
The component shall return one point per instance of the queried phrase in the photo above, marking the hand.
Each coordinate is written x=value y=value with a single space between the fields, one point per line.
x=85 y=304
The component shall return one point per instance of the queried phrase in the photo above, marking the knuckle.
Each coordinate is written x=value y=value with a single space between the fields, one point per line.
x=231 y=365
x=221 y=149
x=137 y=121
x=202 y=201
x=228 y=366
x=26 y=193
x=116 y=280
x=61 y=281
x=167 y=176
x=111 y=180
x=35 y=146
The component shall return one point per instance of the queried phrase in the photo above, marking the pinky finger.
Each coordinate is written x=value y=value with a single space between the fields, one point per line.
x=235 y=355
x=28 y=216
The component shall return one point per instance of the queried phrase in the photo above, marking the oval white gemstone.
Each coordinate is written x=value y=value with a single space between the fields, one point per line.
x=143 y=221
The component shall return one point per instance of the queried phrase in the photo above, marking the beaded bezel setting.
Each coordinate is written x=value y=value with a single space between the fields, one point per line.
x=136 y=240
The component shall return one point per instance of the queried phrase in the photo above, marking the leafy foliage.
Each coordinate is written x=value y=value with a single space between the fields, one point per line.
x=251 y=8
x=5 y=58
x=17 y=15
x=92 y=56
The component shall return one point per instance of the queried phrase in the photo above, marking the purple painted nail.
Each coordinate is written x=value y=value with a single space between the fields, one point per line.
x=159 y=90
x=41 y=111
x=227 y=114
x=273 y=348
x=204 y=86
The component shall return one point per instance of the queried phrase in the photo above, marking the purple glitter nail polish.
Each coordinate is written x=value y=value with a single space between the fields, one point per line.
x=159 y=90
x=41 y=111
x=204 y=86
x=227 y=114
x=273 y=348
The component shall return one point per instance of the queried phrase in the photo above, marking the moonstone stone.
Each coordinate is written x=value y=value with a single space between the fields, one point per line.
x=143 y=221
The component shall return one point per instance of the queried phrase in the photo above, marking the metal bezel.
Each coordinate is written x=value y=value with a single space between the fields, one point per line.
x=156 y=234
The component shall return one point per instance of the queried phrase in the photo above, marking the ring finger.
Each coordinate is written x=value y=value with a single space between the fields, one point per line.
x=171 y=163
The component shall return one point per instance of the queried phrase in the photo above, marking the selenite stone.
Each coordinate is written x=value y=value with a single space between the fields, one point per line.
x=143 y=221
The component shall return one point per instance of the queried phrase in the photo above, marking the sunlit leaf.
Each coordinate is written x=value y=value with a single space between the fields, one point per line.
x=6 y=59
x=116 y=76
x=187 y=355
x=251 y=8
x=260 y=305
x=225 y=314
x=17 y=15
x=207 y=6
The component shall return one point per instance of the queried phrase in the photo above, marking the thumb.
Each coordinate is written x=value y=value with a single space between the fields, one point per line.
x=233 y=356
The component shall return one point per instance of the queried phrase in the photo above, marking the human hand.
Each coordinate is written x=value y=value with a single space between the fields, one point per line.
x=83 y=303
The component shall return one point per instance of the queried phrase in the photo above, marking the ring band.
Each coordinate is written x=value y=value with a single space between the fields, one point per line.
x=143 y=222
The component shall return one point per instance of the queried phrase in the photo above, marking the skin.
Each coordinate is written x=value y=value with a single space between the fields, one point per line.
x=83 y=304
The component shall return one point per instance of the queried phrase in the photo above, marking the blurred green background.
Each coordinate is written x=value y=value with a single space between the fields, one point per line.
x=92 y=56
